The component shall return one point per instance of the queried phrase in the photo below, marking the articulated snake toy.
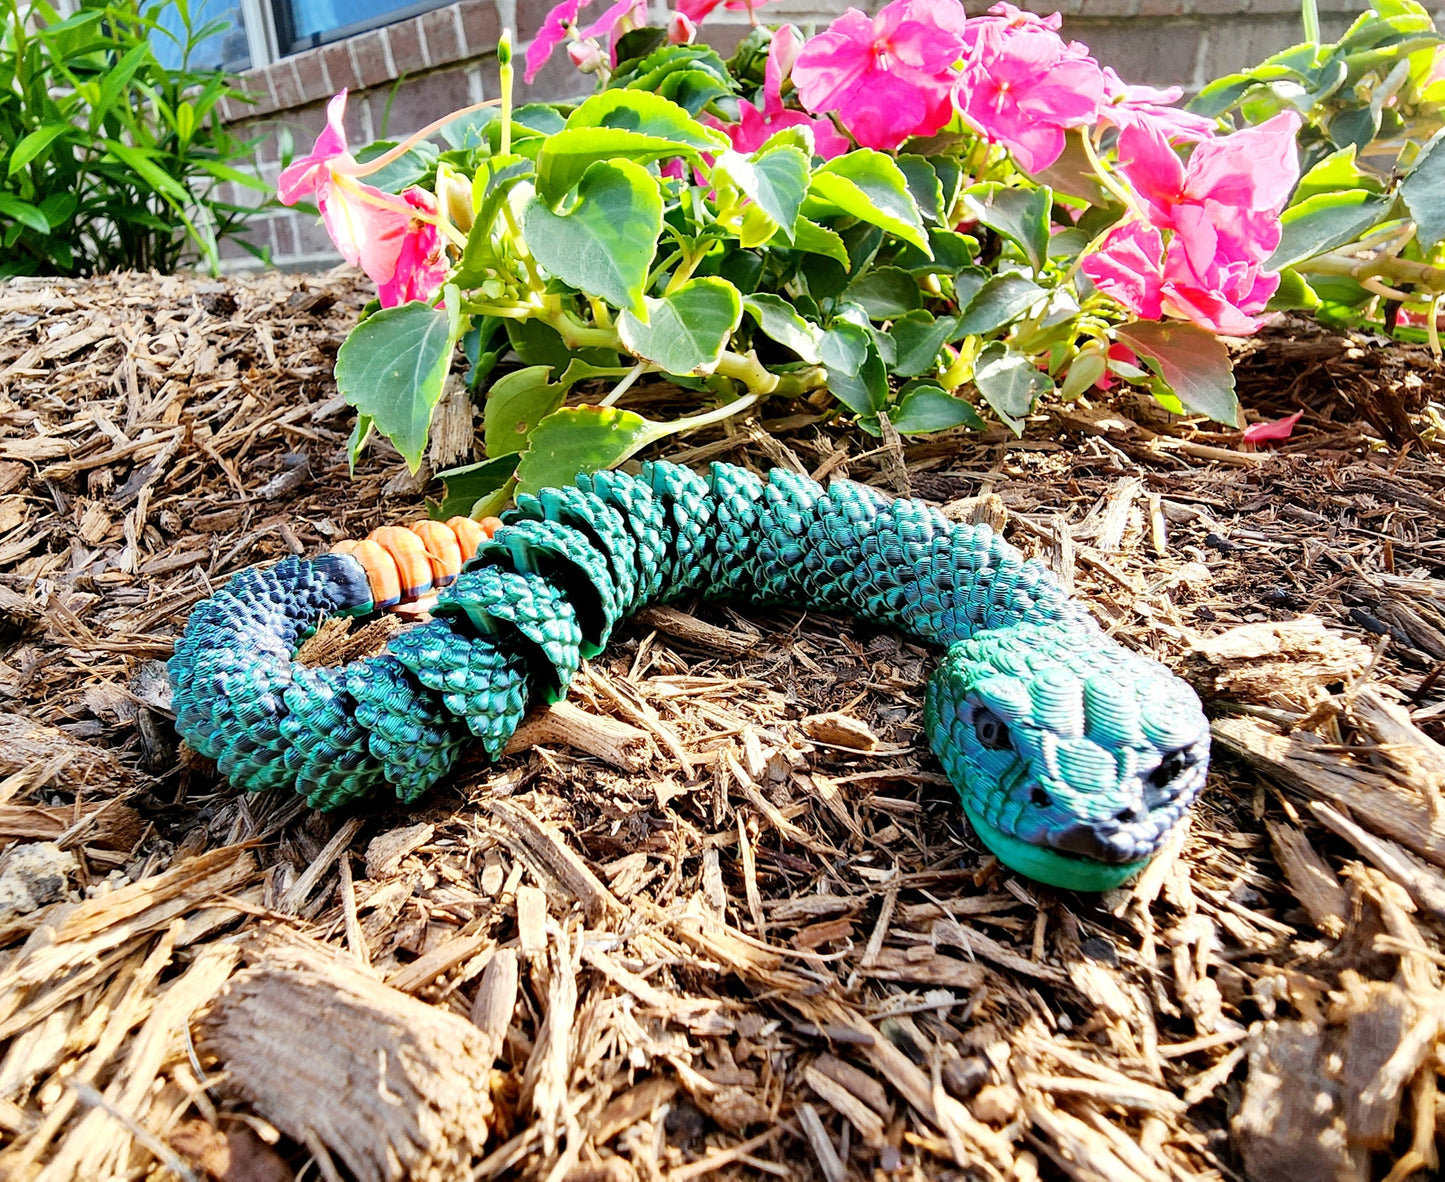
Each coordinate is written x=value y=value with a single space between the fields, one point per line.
x=1073 y=757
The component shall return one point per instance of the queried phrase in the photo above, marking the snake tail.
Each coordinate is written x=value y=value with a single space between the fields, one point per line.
x=1073 y=757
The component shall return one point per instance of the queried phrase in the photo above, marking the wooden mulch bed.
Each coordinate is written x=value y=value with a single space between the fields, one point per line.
x=722 y=917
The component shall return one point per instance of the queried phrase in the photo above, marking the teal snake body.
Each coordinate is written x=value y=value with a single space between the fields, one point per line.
x=1073 y=757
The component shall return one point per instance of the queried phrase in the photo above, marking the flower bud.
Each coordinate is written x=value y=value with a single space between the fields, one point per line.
x=586 y=55
x=454 y=192
x=680 y=30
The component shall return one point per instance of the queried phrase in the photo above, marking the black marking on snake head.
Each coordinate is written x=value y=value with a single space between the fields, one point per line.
x=992 y=731
x=1172 y=766
x=1040 y=797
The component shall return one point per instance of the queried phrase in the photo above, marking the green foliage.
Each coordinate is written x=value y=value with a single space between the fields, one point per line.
x=1364 y=229
x=109 y=160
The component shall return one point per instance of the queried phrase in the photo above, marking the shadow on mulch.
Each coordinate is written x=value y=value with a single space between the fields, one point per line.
x=722 y=916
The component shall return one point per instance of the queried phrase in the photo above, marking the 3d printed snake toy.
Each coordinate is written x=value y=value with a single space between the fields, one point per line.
x=1074 y=758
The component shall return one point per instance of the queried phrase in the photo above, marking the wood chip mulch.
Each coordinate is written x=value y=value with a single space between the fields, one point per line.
x=720 y=917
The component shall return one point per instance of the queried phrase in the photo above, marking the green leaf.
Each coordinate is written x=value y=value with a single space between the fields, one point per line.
x=871 y=187
x=1424 y=193
x=406 y=169
x=24 y=213
x=604 y=246
x=855 y=371
x=924 y=184
x=1020 y=215
x=579 y=439
x=1293 y=294
x=1191 y=360
x=1010 y=382
x=360 y=435
x=1324 y=222
x=885 y=293
x=515 y=405
x=464 y=488
x=775 y=179
x=812 y=238
x=36 y=142
x=775 y=316
x=1336 y=172
x=685 y=332
x=631 y=124
x=919 y=338
x=393 y=366
x=998 y=302
x=927 y=408
x=1355 y=127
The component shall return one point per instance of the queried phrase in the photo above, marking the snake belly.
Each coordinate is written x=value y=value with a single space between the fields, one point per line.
x=1073 y=758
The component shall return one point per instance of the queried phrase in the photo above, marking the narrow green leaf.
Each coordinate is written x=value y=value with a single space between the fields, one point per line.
x=778 y=320
x=392 y=368
x=605 y=244
x=1191 y=360
x=685 y=332
x=35 y=143
x=24 y=213
x=515 y=405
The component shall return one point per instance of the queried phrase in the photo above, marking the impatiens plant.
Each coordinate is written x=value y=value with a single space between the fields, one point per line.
x=915 y=219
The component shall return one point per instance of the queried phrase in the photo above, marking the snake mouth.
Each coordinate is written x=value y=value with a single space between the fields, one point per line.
x=1059 y=868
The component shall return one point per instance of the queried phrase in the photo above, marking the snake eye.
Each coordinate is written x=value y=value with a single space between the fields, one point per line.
x=1171 y=766
x=991 y=730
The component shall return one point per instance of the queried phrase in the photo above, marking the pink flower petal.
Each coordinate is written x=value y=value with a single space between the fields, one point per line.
x=302 y=177
x=552 y=33
x=1278 y=429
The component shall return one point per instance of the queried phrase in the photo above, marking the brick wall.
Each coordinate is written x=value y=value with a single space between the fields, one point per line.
x=407 y=74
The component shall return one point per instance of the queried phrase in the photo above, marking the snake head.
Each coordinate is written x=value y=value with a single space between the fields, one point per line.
x=1074 y=758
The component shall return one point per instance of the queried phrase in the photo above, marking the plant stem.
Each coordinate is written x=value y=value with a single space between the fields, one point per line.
x=1390 y=269
x=624 y=385
x=406 y=145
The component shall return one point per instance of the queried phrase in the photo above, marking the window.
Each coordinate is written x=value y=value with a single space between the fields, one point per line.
x=303 y=24
x=225 y=49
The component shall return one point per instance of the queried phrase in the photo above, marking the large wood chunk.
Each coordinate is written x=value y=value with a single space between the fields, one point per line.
x=393 y=1087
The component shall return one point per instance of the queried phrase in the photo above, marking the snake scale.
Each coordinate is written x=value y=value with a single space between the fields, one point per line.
x=1073 y=757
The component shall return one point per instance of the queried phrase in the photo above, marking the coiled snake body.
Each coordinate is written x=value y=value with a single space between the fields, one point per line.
x=1073 y=757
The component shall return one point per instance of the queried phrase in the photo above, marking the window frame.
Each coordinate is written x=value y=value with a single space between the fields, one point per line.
x=284 y=40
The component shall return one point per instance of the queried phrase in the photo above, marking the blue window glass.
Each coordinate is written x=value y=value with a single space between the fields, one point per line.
x=301 y=24
x=224 y=48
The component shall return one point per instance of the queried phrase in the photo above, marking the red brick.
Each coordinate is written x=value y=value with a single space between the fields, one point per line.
x=368 y=58
x=530 y=15
x=1114 y=9
x=257 y=83
x=1219 y=7
x=406 y=47
x=339 y=71
x=287 y=84
x=311 y=71
x=312 y=238
x=442 y=31
x=284 y=228
x=418 y=101
x=481 y=25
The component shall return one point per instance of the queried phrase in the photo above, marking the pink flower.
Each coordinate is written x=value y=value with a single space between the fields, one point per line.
x=1250 y=172
x=1127 y=267
x=421 y=261
x=755 y=126
x=559 y=24
x=889 y=77
x=697 y=10
x=373 y=230
x=1134 y=106
x=1197 y=277
x=552 y=33
x=1023 y=86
